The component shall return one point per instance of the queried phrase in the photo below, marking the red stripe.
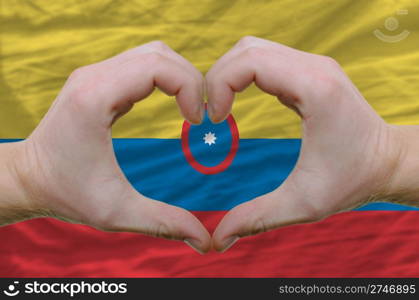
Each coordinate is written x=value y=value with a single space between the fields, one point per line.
x=225 y=163
x=353 y=244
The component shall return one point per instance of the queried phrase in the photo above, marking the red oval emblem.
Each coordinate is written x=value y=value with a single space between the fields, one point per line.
x=221 y=166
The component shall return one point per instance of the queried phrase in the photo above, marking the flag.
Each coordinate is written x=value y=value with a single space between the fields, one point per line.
x=210 y=168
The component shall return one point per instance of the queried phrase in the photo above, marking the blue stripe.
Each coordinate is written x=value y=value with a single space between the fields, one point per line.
x=158 y=169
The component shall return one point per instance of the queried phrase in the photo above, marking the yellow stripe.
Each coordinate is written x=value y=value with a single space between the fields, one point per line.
x=41 y=42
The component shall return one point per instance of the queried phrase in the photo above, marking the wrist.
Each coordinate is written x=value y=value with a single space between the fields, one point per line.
x=15 y=202
x=402 y=185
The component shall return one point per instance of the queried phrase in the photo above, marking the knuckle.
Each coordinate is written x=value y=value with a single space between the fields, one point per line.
x=327 y=77
x=312 y=213
x=254 y=52
x=257 y=223
x=162 y=231
x=80 y=96
x=152 y=58
x=330 y=62
x=78 y=74
x=80 y=87
x=76 y=94
x=258 y=226
x=329 y=86
x=159 y=45
x=246 y=41
x=104 y=219
x=327 y=82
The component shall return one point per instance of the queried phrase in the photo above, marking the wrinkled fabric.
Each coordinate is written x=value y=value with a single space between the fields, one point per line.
x=42 y=42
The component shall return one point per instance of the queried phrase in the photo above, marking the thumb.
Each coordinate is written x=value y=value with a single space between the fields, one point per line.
x=146 y=216
x=279 y=208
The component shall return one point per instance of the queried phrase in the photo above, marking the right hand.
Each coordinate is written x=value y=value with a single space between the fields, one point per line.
x=348 y=153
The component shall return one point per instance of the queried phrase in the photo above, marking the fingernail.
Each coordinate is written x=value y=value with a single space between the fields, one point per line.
x=228 y=242
x=211 y=112
x=194 y=244
x=201 y=112
x=198 y=115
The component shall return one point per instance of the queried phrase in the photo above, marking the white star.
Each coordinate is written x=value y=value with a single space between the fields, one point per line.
x=209 y=138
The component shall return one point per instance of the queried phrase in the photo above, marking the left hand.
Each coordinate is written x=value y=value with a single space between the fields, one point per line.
x=67 y=166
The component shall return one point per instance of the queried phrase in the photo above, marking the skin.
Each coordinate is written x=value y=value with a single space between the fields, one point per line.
x=349 y=155
x=67 y=167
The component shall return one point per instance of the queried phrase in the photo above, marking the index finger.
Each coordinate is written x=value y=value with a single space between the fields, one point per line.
x=276 y=69
x=111 y=87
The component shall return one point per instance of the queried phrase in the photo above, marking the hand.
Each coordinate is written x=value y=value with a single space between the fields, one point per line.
x=348 y=152
x=67 y=166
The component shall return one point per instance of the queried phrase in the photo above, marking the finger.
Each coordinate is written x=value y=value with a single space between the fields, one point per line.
x=279 y=208
x=139 y=214
x=250 y=42
x=154 y=46
x=161 y=48
x=276 y=69
x=132 y=76
x=271 y=73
